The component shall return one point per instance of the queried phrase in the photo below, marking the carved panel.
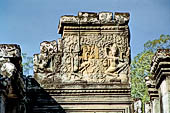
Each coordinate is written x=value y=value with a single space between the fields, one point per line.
x=82 y=55
x=70 y=43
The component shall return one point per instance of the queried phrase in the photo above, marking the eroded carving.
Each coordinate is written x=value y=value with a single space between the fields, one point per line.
x=8 y=69
x=87 y=53
x=10 y=60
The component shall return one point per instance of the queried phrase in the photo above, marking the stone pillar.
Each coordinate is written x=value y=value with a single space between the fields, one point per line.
x=138 y=106
x=156 y=105
x=147 y=107
x=160 y=68
x=153 y=93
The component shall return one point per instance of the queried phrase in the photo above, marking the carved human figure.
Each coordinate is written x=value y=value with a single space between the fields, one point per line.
x=112 y=54
x=89 y=53
x=44 y=60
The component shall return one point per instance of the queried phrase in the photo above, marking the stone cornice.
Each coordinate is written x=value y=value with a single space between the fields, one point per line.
x=93 y=19
x=160 y=66
x=96 y=28
x=115 y=91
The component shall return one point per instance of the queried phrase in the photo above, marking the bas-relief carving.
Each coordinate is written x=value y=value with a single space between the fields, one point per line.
x=48 y=62
x=83 y=62
x=87 y=57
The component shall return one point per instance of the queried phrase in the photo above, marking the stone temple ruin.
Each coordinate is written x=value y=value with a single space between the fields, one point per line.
x=89 y=64
x=158 y=84
x=94 y=48
x=85 y=71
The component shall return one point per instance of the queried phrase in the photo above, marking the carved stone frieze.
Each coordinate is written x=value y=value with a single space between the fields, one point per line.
x=93 y=49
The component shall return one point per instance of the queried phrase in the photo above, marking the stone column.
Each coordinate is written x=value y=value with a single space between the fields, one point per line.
x=165 y=95
x=156 y=105
x=153 y=93
x=147 y=107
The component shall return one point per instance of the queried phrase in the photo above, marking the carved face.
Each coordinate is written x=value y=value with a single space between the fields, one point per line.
x=114 y=50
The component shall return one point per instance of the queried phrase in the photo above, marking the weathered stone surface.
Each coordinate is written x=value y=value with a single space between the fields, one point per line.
x=12 y=84
x=160 y=68
x=10 y=50
x=87 y=70
x=10 y=60
x=87 y=52
x=2 y=103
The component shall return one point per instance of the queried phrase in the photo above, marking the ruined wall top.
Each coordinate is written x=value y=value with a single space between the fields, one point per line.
x=10 y=50
x=89 y=18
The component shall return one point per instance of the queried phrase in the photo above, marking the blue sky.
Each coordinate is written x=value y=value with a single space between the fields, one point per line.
x=29 y=22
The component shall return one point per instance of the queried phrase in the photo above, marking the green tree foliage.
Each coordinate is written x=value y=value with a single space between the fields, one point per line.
x=27 y=64
x=140 y=66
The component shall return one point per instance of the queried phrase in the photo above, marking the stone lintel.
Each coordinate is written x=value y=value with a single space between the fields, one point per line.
x=93 y=19
x=160 y=66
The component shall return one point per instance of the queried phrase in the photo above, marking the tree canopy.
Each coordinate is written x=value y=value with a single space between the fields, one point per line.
x=140 y=66
x=27 y=63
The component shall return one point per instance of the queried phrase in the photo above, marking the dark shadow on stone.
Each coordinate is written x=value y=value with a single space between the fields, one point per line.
x=39 y=101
